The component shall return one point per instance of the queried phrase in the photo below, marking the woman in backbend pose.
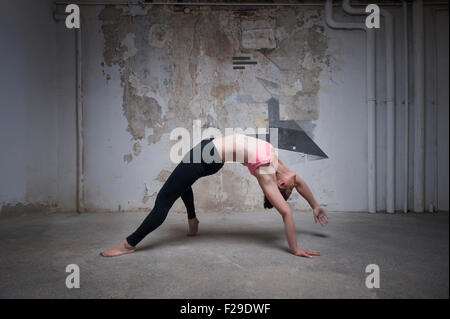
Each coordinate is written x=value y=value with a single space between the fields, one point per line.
x=274 y=178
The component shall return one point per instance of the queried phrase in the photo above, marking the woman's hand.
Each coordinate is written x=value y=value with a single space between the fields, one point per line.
x=320 y=215
x=305 y=253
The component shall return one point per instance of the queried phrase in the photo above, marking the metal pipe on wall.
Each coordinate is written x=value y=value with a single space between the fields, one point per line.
x=390 y=104
x=371 y=124
x=80 y=207
x=435 y=200
x=419 y=106
x=390 y=100
x=340 y=24
x=140 y=3
x=406 y=61
x=435 y=207
x=435 y=104
x=80 y=124
x=371 y=97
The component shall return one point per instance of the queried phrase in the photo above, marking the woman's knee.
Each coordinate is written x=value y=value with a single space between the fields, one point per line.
x=158 y=215
x=163 y=197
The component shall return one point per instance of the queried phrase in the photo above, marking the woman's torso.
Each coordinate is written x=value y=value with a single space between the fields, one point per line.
x=247 y=150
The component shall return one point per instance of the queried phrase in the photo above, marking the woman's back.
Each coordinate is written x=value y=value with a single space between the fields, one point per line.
x=247 y=150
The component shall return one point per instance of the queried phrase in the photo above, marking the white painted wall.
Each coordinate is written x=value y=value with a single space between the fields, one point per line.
x=28 y=110
x=66 y=107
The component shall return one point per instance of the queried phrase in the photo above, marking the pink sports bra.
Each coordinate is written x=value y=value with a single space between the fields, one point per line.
x=262 y=156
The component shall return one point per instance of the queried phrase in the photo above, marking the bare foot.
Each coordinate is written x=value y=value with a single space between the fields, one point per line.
x=193 y=226
x=120 y=249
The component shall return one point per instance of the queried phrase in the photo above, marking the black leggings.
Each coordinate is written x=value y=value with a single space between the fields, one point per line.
x=179 y=184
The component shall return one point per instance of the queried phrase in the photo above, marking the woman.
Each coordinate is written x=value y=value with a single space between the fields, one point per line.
x=275 y=179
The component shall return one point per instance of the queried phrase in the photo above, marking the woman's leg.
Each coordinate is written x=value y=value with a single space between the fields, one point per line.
x=184 y=175
x=181 y=179
x=188 y=200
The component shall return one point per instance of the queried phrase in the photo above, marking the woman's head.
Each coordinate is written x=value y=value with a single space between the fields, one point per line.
x=286 y=182
x=268 y=204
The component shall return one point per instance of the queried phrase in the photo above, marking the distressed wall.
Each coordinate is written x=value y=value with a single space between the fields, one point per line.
x=148 y=71
x=151 y=70
x=168 y=69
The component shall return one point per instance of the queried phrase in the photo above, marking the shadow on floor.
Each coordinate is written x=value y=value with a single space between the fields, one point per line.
x=267 y=238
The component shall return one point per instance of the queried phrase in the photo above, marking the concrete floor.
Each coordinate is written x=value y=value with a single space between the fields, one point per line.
x=236 y=255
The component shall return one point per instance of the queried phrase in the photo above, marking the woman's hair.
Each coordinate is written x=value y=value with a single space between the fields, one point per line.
x=268 y=204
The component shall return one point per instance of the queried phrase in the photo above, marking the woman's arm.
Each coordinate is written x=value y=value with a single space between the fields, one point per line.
x=273 y=194
x=269 y=186
x=303 y=189
x=320 y=215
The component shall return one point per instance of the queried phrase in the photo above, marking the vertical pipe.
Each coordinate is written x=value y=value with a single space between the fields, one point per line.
x=390 y=103
x=371 y=125
x=436 y=113
x=79 y=119
x=419 y=107
x=406 y=61
x=371 y=107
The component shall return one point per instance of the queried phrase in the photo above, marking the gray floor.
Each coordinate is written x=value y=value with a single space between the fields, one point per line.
x=236 y=255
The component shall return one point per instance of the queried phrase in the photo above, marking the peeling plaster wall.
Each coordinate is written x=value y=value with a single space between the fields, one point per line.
x=28 y=123
x=158 y=69
x=151 y=70
x=148 y=71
